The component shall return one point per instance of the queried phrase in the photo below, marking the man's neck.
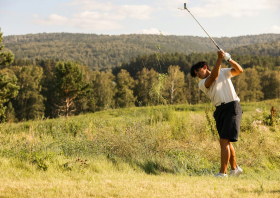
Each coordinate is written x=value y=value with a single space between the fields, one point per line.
x=208 y=73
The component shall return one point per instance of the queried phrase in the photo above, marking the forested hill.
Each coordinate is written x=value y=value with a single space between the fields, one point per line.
x=105 y=51
x=260 y=49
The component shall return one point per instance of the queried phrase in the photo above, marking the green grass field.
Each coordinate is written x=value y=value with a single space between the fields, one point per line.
x=162 y=151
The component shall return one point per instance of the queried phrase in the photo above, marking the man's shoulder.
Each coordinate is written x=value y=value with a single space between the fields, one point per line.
x=226 y=72
x=201 y=85
x=201 y=82
x=226 y=69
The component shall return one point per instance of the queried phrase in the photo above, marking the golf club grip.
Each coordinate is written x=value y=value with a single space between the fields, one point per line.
x=220 y=49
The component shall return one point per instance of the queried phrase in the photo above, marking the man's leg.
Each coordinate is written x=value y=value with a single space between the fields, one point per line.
x=225 y=155
x=232 y=160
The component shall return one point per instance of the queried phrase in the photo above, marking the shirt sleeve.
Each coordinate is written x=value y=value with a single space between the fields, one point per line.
x=227 y=72
x=201 y=86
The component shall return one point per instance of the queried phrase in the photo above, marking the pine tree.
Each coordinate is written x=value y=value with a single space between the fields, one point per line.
x=144 y=81
x=85 y=102
x=270 y=82
x=103 y=90
x=240 y=86
x=193 y=93
x=29 y=103
x=48 y=86
x=10 y=113
x=6 y=58
x=253 y=81
x=69 y=84
x=124 y=90
x=8 y=87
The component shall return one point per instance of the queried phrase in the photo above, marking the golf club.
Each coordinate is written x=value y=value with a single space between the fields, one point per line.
x=185 y=8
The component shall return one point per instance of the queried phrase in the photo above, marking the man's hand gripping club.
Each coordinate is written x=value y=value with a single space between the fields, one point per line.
x=227 y=56
x=236 y=68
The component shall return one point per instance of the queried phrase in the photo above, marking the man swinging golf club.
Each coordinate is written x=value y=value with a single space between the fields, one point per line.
x=217 y=85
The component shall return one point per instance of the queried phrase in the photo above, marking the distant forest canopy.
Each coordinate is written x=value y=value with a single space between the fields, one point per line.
x=102 y=52
x=259 y=49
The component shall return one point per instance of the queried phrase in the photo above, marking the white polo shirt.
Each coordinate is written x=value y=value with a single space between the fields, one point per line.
x=221 y=90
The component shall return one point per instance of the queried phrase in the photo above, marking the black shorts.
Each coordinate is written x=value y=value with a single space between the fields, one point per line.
x=228 y=119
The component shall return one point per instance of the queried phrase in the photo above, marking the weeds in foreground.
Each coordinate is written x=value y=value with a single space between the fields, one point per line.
x=168 y=139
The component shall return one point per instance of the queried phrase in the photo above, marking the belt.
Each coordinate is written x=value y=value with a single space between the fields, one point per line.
x=221 y=103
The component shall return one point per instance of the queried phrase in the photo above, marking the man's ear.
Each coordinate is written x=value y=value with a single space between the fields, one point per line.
x=205 y=67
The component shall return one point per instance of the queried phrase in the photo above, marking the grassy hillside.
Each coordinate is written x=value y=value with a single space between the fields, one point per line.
x=163 y=151
x=104 y=51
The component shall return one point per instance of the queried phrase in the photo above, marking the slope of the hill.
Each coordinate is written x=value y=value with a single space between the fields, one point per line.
x=260 y=49
x=105 y=51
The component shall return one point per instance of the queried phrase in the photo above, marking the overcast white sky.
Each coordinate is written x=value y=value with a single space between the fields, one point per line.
x=220 y=18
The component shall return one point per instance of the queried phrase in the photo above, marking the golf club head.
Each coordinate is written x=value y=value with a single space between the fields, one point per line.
x=185 y=6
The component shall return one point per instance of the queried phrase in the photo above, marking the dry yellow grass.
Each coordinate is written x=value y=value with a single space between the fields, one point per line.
x=104 y=179
x=119 y=184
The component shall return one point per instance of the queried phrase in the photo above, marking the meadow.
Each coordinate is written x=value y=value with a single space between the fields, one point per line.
x=158 y=151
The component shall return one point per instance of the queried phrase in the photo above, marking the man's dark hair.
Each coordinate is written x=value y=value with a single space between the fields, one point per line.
x=197 y=66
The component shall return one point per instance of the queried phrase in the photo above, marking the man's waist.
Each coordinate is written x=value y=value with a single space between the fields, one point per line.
x=224 y=103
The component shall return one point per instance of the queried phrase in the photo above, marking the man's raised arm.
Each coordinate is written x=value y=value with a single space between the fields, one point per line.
x=236 y=68
x=216 y=70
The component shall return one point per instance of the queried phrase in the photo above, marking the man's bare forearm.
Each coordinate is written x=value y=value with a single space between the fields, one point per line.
x=238 y=69
x=216 y=70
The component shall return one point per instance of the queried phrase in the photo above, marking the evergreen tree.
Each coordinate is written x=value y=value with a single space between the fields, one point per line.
x=192 y=91
x=270 y=82
x=144 y=81
x=69 y=84
x=124 y=90
x=8 y=87
x=29 y=103
x=6 y=58
x=240 y=86
x=103 y=90
x=10 y=113
x=253 y=81
x=85 y=102
x=48 y=87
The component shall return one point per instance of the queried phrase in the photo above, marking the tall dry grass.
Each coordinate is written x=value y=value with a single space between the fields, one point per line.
x=138 y=142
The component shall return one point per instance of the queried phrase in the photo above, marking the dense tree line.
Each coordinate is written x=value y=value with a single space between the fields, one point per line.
x=53 y=88
x=105 y=51
x=161 y=62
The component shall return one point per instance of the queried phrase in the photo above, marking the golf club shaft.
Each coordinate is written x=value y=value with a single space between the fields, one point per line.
x=185 y=7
